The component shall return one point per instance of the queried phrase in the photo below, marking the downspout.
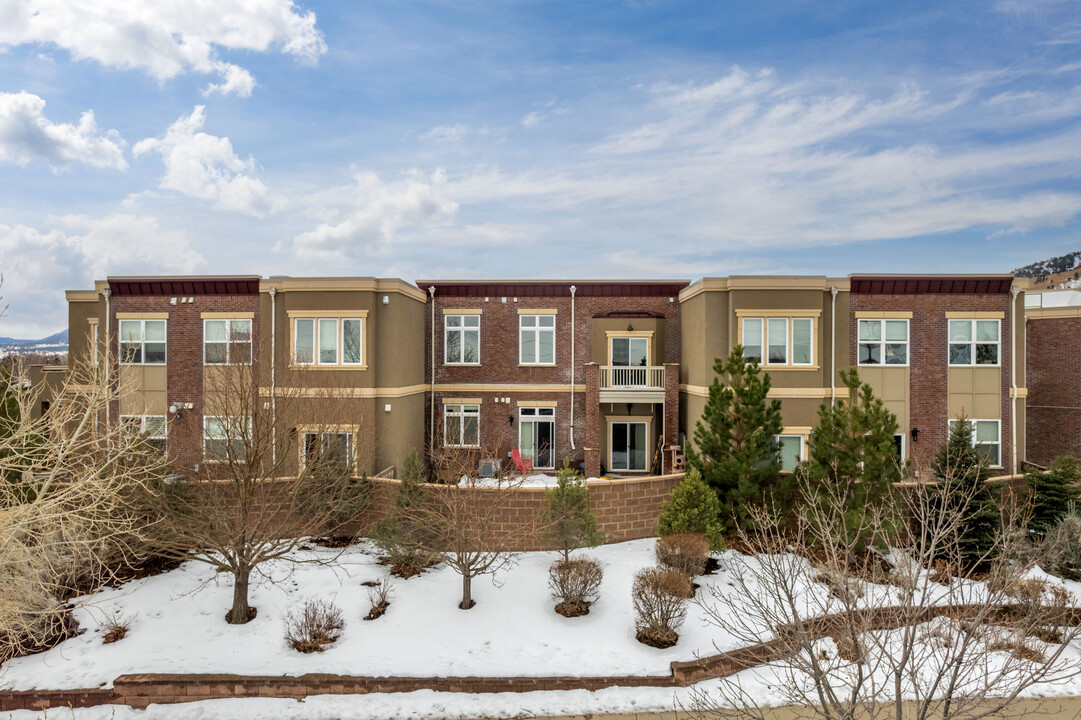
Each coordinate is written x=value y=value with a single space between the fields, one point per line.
x=573 y=365
x=1014 y=291
x=833 y=345
x=107 y=292
x=273 y=379
x=431 y=402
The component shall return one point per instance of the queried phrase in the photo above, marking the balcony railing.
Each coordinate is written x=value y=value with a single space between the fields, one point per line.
x=641 y=377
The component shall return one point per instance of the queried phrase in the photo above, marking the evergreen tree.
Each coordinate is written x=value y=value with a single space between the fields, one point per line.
x=735 y=448
x=567 y=517
x=693 y=507
x=853 y=448
x=1053 y=492
x=966 y=471
x=395 y=534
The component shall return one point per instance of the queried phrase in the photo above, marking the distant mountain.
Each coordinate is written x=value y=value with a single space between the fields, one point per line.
x=1053 y=272
x=55 y=344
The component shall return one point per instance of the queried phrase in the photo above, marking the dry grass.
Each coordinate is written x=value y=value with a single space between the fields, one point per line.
x=315 y=626
x=379 y=596
x=686 y=552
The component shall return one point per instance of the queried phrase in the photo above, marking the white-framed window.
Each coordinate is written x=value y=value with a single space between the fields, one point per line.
x=461 y=425
x=537 y=339
x=328 y=341
x=975 y=342
x=319 y=447
x=226 y=341
x=461 y=339
x=791 y=447
x=900 y=446
x=778 y=340
x=987 y=439
x=94 y=344
x=223 y=438
x=142 y=342
x=151 y=427
x=882 y=341
x=536 y=435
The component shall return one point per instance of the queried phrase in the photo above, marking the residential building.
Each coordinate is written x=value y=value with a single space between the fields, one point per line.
x=1053 y=320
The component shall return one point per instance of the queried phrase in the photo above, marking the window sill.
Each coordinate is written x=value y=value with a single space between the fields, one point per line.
x=782 y=368
x=973 y=365
x=882 y=365
x=236 y=364
x=328 y=367
x=156 y=364
x=521 y=364
x=447 y=364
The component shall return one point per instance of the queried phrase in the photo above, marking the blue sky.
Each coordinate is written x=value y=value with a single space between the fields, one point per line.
x=450 y=138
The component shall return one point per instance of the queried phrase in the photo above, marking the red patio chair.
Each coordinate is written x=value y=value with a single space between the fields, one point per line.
x=523 y=465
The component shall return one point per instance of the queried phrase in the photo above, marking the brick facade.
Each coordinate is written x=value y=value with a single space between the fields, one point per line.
x=1054 y=388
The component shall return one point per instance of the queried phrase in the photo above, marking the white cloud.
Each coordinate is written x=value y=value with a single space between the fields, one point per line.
x=446 y=133
x=166 y=39
x=204 y=166
x=531 y=120
x=38 y=265
x=375 y=212
x=26 y=134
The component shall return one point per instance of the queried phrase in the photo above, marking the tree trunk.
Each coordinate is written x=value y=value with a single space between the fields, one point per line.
x=467 y=592
x=241 y=612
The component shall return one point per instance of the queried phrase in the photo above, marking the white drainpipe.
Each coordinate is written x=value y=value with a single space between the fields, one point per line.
x=833 y=345
x=107 y=292
x=1014 y=291
x=573 y=365
x=431 y=403
x=273 y=379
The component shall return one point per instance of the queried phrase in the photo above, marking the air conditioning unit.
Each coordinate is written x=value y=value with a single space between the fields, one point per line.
x=489 y=467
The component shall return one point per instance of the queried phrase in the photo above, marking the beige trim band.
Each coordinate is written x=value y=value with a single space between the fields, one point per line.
x=142 y=316
x=804 y=430
x=1051 y=313
x=326 y=313
x=964 y=315
x=463 y=311
x=345 y=392
x=883 y=314
x=538 y=311
x=462 y=401
x=227 y=315
x=538 y=403
x=764 y=282
x=92 y=321
x=81 y=295
x=1022 y=392
x=352 y=284
x=629 y=333
x=774 y=392
x=507 y=387
x=797 y=313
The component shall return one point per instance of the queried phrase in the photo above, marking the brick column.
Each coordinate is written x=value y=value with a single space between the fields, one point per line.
x=593 y=412
x=671 y=414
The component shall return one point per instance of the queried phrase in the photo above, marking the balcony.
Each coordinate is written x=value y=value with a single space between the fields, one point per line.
x=636 y=384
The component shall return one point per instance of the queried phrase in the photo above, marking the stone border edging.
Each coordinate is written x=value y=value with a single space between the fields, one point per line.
x=141 y=690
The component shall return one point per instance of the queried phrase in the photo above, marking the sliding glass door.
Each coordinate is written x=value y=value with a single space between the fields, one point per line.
x=536 y=436
x=629 y=446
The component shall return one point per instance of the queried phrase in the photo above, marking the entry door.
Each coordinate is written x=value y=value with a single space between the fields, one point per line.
x=536 y=436
x=629 y=446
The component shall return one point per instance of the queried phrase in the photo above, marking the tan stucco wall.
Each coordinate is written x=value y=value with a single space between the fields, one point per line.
x=79 y=314
x=975 y=392
x=892 y=385
x=143 y=389
x=602 y=326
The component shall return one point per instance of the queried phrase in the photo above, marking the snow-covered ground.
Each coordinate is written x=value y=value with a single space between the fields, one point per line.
x=539 y=480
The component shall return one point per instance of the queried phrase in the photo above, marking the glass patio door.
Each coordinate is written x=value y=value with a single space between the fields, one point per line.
x=630 y=355
x=536 y=436
x=629 y=446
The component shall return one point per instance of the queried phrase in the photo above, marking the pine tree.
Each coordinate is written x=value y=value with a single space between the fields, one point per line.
x=853 y=448
x=693 y=507
x=1052 y=492
x=569 y=521
x=735 y=446
x=960 y=464
x=395 y=534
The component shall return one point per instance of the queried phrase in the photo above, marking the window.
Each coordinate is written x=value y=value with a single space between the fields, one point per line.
x=142 y=342
x=151 y=427
x=628 y=448
x=536 y=435
x=986 y=437
x=974 y=342
x=630 y=351
x=321 y=448
x=786 y=341
x=94 y=344
x=899 y=447
x=461 y=425
x=461 y=339
x=791 y=451
x=328 y=341
x=223 y=438
x=882 y=342
x=537 y=339
x=227 y=342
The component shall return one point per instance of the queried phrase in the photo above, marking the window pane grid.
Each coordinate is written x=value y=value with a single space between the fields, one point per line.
x=778 y=341
x=226 y=342
x=461 y=339
x=537 y=338
x=142 y=342
x=461 y=425
x=882 y=342
x=974 y=342
x=987 y=439
x=327 y=341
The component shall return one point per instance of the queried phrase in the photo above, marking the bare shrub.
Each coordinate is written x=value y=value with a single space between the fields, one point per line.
x=115 y=628
x=314 y=626
x=576 y=583
x=660 y=605
x=379 y=596
x=686 y=552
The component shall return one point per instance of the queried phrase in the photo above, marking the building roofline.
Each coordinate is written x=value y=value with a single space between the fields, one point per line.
x=287 y=283
x=555 y=288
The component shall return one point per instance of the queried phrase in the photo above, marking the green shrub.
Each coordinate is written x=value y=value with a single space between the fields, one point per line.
x=693 y=508
x=1052 y=492
x=1062 y=546
x=569 y=522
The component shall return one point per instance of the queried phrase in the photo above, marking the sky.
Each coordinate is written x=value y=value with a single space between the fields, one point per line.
x=580 y=139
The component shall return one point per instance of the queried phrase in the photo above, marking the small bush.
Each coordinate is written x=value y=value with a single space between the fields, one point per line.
x=115 y=628
x=660 y=605
x=379 y=595
x=693 y=508
x=686 y=552
x=576 y=584
x=1062 y=547
x=318 y=624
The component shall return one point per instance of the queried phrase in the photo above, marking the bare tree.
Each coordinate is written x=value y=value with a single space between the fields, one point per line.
x=465 y=519
x=272 y=474
x=71 y=515
x=910 y=634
